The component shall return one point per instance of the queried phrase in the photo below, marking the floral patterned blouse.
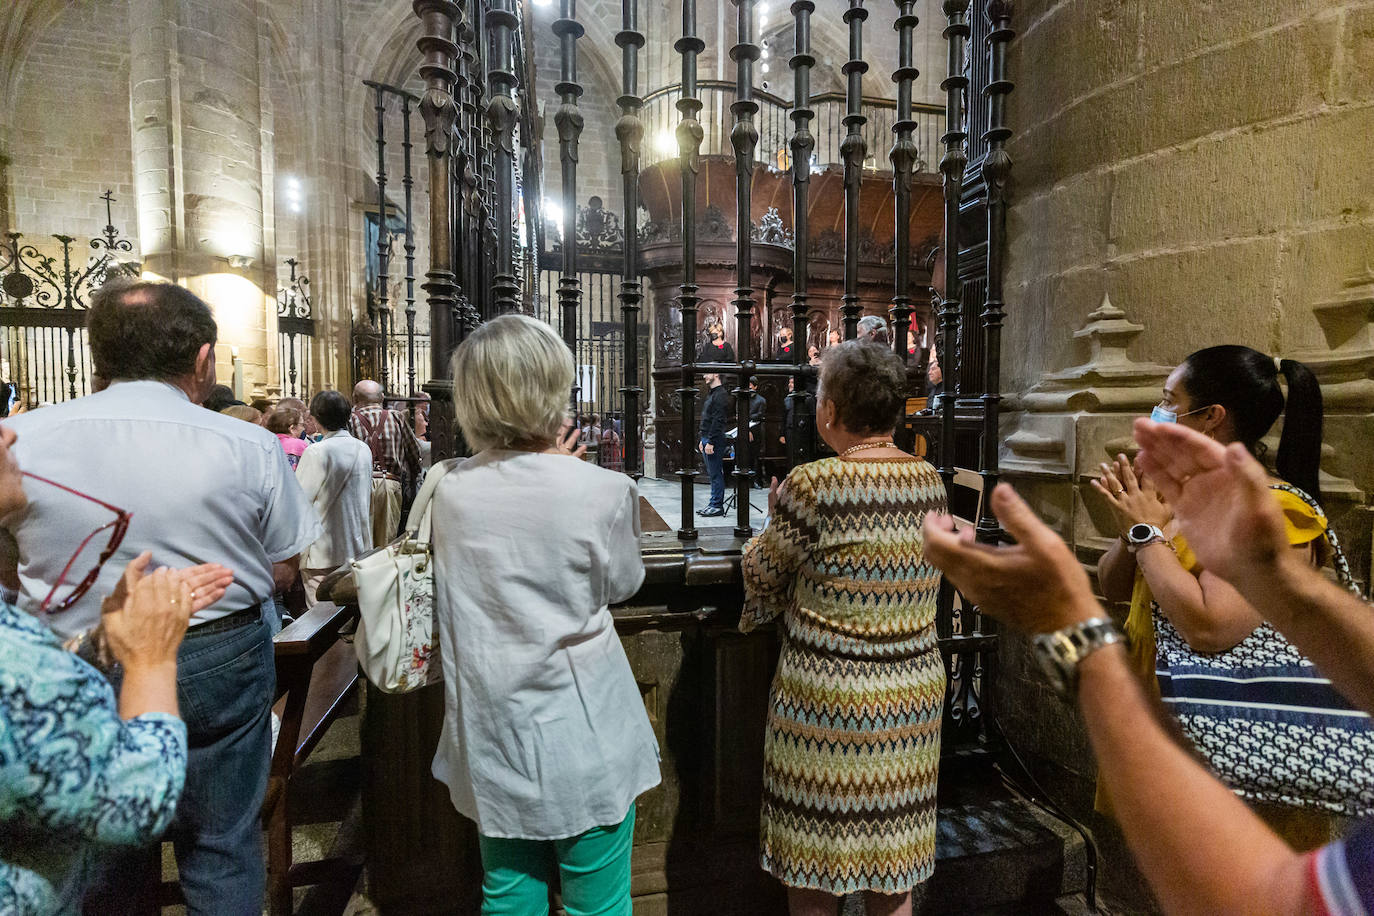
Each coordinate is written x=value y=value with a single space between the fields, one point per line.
x=72 y=774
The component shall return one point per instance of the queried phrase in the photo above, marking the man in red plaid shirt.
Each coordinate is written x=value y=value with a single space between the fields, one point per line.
x=395 y=458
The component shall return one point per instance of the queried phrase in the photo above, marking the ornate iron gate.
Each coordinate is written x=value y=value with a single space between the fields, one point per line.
x=44 y=294
x=295 y=333
x=599 y=348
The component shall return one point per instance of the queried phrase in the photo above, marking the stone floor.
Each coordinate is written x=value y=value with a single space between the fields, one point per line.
x=666 y=497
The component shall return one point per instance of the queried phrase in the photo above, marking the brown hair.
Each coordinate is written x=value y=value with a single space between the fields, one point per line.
x=281 y=419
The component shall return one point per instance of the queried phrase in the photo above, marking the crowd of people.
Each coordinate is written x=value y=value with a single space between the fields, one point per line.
x=148 y=589
x=135 y=698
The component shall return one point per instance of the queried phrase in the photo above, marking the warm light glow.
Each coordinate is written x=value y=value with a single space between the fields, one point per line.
x=553 y=213
x=666 y=142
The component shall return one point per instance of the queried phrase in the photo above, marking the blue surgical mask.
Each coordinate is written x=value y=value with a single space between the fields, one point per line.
x=1165 y=415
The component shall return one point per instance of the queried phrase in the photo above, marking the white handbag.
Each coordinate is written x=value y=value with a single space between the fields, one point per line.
x=398 y=638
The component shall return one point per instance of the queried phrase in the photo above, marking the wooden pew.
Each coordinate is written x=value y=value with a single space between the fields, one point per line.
x=317 y=674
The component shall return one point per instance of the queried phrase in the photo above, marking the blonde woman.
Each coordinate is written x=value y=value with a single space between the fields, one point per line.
x=546 y=743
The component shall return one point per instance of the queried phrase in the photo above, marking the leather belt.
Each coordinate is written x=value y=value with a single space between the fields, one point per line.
x=232 y=621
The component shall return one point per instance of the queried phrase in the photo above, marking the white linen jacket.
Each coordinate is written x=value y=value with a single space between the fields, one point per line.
x=545 y=733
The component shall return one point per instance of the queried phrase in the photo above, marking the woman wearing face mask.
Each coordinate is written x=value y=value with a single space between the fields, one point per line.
x=1232 y=394
x=717 y=349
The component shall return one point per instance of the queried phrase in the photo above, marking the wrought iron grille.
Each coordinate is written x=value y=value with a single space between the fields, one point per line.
x=45 y=290
x=295 y=333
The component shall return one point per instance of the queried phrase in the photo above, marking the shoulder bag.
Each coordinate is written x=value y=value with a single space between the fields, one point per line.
x=398 y=637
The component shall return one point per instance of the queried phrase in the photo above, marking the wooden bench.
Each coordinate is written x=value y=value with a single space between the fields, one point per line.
x=317 y=675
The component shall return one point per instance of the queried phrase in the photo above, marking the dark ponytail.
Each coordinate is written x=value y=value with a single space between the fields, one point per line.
x=1300 y=448
x=1246 y=383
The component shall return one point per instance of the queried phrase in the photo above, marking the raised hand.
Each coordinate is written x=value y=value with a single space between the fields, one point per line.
x=207 y=583
x=145 y=629
x=566 y=442
x=1035 y=584
x=1134 y=500
x=1220 y=496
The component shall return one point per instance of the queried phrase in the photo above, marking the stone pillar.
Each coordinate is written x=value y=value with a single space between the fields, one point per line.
x=197 y=110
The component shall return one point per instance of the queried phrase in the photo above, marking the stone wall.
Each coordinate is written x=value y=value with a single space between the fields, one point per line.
x=68 y=138
x=1186 y=174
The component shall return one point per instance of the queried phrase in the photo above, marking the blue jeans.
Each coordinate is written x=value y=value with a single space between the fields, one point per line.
x=226 y=681
x=715 y=470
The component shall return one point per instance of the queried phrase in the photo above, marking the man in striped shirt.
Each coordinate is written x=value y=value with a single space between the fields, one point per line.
x=395 y=458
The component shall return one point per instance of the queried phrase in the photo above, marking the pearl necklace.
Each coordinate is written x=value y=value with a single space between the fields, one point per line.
x=864 y=446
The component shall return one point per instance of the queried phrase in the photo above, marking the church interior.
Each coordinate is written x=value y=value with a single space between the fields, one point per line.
x=1049 y=203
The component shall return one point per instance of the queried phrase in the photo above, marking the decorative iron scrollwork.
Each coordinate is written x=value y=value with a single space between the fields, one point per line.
x=31 y=279
x=598 y=229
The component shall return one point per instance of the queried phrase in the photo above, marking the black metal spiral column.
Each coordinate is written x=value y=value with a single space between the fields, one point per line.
x=903 y=157
x=996 y=169
x=801 y=444
x=952 y=166
x=468 y=215
x=408 y=182
x=853 y=151
x=629 y=130
x=383 y=242
x=440 y=113
x=689 y=136
x=502 y=113
x=744 y=137
x=569 y=123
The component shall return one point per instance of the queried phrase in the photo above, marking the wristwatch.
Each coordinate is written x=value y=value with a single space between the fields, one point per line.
x=1138 y=536
x=1061 y=652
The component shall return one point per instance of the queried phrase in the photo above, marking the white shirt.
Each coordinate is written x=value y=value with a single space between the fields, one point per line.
x=545 y=732
x=336 y=475
x=201 y=487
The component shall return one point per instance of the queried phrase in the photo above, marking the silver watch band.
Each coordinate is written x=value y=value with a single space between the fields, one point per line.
x=1061 y=652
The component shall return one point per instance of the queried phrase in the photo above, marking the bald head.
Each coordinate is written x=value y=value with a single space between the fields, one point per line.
x=366 y=393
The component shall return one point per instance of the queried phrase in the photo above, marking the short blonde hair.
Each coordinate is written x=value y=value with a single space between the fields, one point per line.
x=511 y=383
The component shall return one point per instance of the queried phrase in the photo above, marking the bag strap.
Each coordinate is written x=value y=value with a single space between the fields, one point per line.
x=418 y=522
x=1338 y=559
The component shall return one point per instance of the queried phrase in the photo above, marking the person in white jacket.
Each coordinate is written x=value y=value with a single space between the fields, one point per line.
x=546 y=742
x=336 y=474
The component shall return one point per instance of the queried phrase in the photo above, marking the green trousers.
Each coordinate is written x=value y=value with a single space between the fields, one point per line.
x=593 y=869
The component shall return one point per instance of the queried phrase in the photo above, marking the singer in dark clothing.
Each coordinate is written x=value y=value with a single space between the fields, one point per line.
x=714 y=414
x=717 y=349
x=758 y=408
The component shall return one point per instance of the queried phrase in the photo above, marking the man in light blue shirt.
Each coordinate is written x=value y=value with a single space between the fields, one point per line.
x=199 y=487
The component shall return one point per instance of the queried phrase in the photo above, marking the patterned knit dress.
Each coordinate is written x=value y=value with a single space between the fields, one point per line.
x=852 y=748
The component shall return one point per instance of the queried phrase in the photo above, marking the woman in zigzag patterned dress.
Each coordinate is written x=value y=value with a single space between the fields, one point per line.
x=852 y=748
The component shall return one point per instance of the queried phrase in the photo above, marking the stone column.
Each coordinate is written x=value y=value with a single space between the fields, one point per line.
x=197 y=110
